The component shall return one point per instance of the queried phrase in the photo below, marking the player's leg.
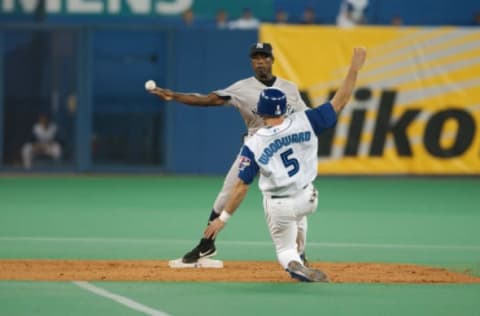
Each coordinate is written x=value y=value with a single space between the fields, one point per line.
x=302 y=227
x=282 y=225
x=27 y=155
x=54 y=150
x=206 y=247
x=304 y=203
x=308 y=204
x=224 y=194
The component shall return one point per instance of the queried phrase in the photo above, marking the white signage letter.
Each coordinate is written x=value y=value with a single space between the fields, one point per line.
x=27 y=5
x=137 y=6
x=84 y=6
x=54 y=6
x=175 y=7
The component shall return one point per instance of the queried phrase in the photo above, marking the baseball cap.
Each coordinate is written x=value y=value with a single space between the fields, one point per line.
x=272 y=102
x=261 y=48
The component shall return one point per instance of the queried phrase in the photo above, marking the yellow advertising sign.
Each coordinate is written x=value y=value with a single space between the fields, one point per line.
x=416 y=109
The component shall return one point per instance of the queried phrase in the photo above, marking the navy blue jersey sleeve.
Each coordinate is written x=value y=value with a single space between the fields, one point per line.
x=322 y=117
x=248 y=167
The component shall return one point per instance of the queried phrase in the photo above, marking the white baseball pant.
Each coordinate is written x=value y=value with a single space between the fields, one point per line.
x=287 y=222
x=29 y=151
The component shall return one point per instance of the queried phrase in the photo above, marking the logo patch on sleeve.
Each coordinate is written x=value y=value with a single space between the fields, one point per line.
x=244 y=163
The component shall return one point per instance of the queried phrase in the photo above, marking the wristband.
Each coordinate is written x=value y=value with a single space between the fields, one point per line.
x=224 y=216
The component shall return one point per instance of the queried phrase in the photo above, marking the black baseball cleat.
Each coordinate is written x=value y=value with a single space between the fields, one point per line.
x=205 y=249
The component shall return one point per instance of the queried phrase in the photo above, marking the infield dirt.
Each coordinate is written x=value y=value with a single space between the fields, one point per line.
x=233 y=271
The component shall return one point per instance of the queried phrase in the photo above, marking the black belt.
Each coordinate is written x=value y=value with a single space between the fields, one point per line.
x=284 y=196
x=279 y=196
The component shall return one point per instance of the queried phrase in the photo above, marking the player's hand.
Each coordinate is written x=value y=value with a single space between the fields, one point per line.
x=214 y=228
x=165 y=94
x=358 y=58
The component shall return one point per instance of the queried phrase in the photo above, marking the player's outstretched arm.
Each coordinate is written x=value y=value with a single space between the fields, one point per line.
x=236 y=197
x=195 y=99
x=345 y=91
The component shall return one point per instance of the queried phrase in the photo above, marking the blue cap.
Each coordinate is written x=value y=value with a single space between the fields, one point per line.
x=272 y=102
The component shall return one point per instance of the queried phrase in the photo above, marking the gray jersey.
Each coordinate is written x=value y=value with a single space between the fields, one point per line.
x=244 y=96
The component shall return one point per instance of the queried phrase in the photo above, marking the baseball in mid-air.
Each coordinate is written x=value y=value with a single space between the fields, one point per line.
x=150 y=85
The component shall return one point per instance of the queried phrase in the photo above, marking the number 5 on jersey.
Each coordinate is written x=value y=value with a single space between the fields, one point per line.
x=290 y=162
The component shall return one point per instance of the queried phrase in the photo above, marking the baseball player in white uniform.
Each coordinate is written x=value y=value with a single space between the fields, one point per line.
x=44 y=142
x=243 y=95
x=284 y=153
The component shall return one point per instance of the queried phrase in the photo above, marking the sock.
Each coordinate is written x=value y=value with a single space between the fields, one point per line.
x=213 y=216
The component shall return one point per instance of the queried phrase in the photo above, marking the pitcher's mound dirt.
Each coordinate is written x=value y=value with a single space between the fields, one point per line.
x=233 y=271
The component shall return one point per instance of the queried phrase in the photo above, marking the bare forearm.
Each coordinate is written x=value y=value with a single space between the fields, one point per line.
x=344 y=93
x=236 y=197
x=196 y=99
x=342 y=96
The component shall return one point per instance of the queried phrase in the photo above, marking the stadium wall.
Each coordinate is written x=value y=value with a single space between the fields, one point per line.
x=91 y=81
x=113 y=124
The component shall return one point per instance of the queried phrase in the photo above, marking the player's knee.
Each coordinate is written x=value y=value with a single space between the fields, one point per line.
x=56 y=151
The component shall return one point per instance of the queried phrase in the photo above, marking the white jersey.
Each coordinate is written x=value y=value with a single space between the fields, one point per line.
x=45 y=134
x=285 y=155
x=244 y=96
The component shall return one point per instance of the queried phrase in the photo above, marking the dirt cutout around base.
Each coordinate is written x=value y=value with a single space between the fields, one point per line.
x=233 y=271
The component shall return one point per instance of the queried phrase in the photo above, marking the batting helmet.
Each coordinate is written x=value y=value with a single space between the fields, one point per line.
x=272 y=102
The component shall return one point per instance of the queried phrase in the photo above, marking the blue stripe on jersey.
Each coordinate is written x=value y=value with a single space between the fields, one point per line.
x=322 y=117
x=248 y=168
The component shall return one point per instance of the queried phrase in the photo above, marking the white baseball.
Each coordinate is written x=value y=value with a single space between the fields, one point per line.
x=150 y=85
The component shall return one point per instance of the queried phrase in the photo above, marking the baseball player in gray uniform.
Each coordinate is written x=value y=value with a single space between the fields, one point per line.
x=284 y=153
x=243 y=95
